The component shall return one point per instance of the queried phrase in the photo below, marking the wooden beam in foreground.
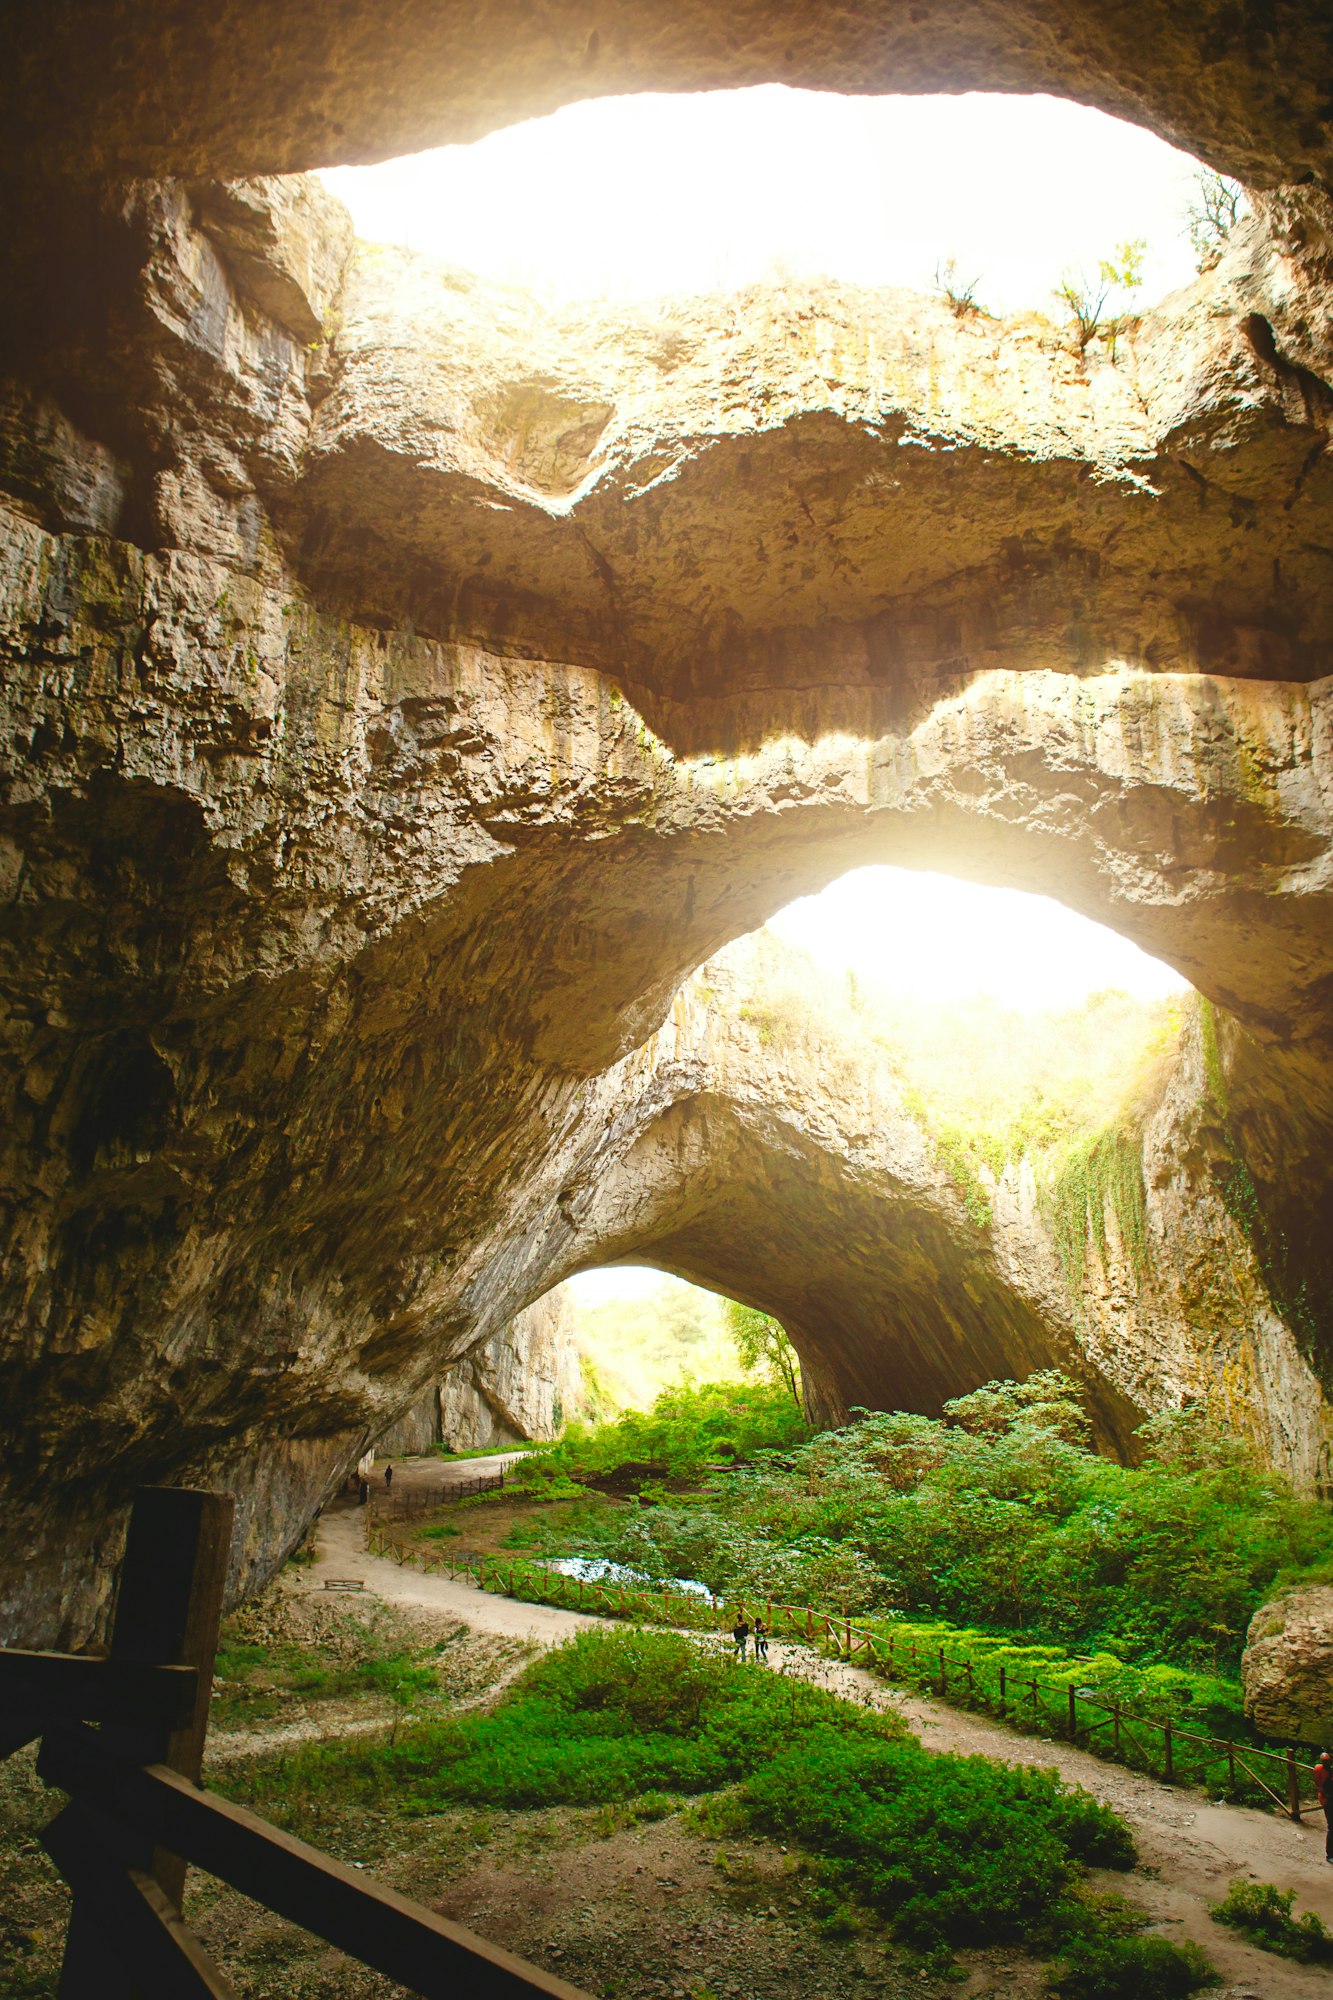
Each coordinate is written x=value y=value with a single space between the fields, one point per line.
x=138 y=1920
x=345 y=1908
x=77 y=1687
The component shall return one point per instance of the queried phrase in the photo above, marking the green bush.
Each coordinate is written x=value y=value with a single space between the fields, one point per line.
x=1000 y=1515
x=949 y=1850
x=1261 y=1912
x=688 y=1428
x=1131 y=1968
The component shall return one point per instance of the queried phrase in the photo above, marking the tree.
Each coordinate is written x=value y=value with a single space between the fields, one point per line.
x=762 y=1346
x=959 y=293
x=1212 y=215
x=1086 y=298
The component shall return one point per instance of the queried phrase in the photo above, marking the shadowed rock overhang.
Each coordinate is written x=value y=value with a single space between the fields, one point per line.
x=406 y=689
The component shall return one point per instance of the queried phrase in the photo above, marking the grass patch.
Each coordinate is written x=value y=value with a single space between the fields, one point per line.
x=265 y=1666
x=947 y=1850
x=1261 y=1912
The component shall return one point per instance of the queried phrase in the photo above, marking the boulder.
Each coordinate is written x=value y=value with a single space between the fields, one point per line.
x=1287 y=1667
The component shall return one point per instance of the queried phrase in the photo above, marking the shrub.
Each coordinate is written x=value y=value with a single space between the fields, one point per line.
x=1102 y=1954
x=1002 y=1516
x=1131 y=1968
x=949 y=1849
x=1261 y=1912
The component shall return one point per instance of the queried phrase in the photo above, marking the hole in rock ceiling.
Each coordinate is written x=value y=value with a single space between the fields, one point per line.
x=1013 y=1025
x=916 y=935
x=646 y=196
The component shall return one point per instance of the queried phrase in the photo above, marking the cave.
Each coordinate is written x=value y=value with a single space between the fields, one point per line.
x=412 y=703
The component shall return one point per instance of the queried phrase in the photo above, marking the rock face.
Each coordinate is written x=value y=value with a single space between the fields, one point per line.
x=526 y=1381
x=393 y=720
x=272 y=86
x=1287 y=1667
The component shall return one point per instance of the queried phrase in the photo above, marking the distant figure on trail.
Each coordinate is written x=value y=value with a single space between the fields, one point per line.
x=363 y=1490
x=760 y=1640
x=388 y=1476
x=1323 y=1784
x=740 y=1633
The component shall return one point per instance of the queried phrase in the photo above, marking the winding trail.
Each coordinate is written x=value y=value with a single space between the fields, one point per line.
x=1189 y=1849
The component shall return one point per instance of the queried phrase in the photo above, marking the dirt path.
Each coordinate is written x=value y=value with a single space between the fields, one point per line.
x=1189 y=1849
x=342 y=1552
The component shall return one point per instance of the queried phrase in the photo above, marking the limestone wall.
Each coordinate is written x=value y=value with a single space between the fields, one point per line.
x=396 y=714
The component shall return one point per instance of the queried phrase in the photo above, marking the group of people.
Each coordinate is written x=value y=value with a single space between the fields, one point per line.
x=742 y=1633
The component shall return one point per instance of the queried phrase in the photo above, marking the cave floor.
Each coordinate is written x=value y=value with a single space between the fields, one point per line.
x=658 y=1909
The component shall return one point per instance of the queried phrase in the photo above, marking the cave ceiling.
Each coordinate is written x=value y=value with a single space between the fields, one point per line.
x=406 y=689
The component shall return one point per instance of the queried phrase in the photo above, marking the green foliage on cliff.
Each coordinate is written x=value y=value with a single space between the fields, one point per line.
x=1310 y=1317
x=1095 y=1175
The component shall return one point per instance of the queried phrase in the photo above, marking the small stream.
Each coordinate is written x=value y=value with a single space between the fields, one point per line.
x=596 y=1569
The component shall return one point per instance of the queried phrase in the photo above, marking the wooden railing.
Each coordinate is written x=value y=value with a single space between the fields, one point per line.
x=138 y=1815
x=409 y=1503
x=1096 y=1722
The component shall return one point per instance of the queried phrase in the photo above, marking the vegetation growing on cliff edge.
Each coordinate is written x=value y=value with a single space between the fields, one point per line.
x=1000 y=1515
x=991 y=1086
x=629 y=1716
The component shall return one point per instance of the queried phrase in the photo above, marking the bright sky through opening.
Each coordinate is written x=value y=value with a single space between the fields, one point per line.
x=637 y=197
x=932 y=937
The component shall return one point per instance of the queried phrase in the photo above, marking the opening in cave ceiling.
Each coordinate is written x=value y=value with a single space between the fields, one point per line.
x=635 y=197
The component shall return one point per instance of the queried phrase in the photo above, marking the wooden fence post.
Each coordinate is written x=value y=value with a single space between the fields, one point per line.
x=1073 y=1713
x=1003 y=1690
x=1293 y=1788
x=944 y=1679
x=168 y=1608
x=1168 y=1760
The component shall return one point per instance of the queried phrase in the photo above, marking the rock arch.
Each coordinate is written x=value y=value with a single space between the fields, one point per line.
x=388 y=875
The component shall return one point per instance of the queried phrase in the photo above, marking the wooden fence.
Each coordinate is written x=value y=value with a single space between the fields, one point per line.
x=1084 y=1716
x=410 y=1503
x=138 y=1815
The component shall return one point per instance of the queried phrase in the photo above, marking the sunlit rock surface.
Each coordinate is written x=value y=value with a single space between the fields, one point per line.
x=365 y=811
x=812 y=484
x=526 y=1381
x=1287 y=1666
x=265 y=86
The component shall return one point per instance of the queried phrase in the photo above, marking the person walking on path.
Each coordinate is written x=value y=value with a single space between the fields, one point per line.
x=363 y=1491
x=740 y=1633
x=1323 y=1784
x=760 y=1640
x=388 y=1477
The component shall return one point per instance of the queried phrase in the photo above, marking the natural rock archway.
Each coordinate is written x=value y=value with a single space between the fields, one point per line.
x=277 y=86
x=387 y=736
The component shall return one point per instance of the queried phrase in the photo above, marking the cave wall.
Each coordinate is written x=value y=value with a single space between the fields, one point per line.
x=346 y=899
x=525 y=1382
